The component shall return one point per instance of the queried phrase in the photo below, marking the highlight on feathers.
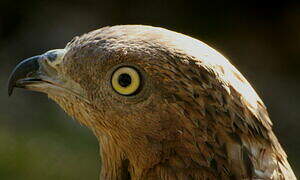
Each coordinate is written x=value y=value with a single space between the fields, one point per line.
x=195 y=117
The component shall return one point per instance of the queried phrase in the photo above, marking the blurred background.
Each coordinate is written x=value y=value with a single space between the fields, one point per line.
x=39 y=141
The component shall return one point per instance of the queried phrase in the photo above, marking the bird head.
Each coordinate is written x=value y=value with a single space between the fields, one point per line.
x=135 y=85
x=153 y=97
x=118 y=78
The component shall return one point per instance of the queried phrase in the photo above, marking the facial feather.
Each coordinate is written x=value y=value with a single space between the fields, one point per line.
x=194 y=117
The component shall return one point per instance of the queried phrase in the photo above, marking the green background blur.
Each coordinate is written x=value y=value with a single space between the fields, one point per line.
x=39 y=141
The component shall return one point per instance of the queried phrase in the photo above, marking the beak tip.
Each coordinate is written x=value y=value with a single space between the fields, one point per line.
x=10 y=88
x=10 y=91
x=11 y=84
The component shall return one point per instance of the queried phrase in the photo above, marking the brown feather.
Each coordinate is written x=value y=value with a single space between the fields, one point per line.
x=196 y=118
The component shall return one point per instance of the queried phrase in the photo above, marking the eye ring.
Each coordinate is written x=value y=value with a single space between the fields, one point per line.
x=126 y=81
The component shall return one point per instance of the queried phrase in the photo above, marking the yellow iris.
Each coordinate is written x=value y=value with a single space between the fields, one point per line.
x=126 y=80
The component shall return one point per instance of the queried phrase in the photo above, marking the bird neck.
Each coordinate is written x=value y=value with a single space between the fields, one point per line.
x=122 y=158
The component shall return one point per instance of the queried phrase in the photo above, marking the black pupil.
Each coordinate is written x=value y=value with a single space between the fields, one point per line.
x=124 y=80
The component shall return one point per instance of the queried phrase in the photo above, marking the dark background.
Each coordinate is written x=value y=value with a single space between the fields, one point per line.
x=38 y=141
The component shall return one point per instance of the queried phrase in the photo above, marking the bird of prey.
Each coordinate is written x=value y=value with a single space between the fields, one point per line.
x=163 y=105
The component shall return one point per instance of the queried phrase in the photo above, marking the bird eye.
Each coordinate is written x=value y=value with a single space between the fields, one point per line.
x=126 y=81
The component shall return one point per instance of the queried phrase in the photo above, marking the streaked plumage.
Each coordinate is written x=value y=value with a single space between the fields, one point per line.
x=196 y=116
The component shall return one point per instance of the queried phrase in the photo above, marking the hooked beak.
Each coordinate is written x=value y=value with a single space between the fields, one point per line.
x=31 y=73
x=26 y=72
x=43 y=73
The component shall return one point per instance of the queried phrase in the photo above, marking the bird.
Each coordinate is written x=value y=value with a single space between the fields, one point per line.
x=162 y=105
